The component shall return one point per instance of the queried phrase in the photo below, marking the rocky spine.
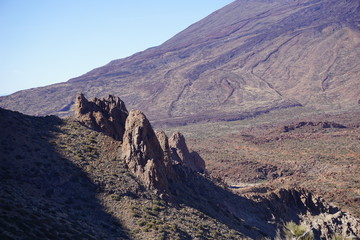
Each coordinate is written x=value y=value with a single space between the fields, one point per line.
x=143 y=154
x=149 y=154
x=104 y=115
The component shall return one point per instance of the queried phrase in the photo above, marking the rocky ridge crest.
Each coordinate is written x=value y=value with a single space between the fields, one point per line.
x=142 y=152
x=149 y=155
x=165 y=166
x=104 y=115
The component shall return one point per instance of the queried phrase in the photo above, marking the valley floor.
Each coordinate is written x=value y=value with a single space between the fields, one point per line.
x=278 y=150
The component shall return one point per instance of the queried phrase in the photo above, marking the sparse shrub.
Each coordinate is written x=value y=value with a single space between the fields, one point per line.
x=337 y=237
x=148 y=227
x=174 y=227
x=142 y=223
x=91 y=139
x=157 y=208
x=115 y=197
x=163 y=235
x=88 y=149
x=151 y=212
x=293 y=231
x=135 y=212
x=213 y=233
x=137 y=215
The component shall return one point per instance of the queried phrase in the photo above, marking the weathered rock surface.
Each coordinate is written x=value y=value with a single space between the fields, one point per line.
x=50 y=186
x=143 y=153
x=151 y=156
x=180 y=153
x=147 y=153
x=164 y=143
x=105 y=115
x=324 y=219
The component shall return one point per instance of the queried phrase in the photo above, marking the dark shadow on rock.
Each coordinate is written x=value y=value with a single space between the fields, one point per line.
x=103 y=115
x=43 y=195
x=199 y=162
x=252 y=218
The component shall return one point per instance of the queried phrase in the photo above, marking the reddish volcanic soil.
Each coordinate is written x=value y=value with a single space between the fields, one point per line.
x=321 y=154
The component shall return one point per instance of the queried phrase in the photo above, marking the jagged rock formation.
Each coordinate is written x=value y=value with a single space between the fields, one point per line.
x=180 y=153
x=324 y=219
x=48 y=192
x=168 y=161
x=105 y=115
x=146 y=152
x=164 y=165
x=151 y=156
x=143 y=154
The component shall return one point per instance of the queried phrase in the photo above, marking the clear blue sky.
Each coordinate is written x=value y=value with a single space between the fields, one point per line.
x=48 y=41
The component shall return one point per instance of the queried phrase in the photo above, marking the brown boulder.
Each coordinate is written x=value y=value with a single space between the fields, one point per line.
x=180 y=153
x=143 y=152
x=105 y=115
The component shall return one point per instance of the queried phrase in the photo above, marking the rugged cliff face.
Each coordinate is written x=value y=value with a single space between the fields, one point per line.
x=166 y=167
x=148 y=154
x=168 y=160
x=323 y=218
x=61 y=179
x=143 y=154
x=180 y=153
x=105 y=115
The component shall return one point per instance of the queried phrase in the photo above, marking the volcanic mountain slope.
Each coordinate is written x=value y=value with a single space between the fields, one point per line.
x=60 y=179
x=246 y=58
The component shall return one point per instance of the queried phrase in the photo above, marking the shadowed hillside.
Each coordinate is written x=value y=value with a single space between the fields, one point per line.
x=318 y=152
x=247 y=58
x=44 y=195
x=63 y=180
x=71 y=179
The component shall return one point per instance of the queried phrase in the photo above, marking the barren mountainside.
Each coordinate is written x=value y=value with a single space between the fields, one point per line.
x=67 y=178
x=273 y=87
x=246 y=58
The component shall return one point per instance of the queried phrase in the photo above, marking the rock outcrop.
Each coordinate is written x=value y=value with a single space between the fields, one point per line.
x=148 y=154
x=105 y=115
x=143 y=153
x=151 y=156
x=180 y=153
x=164 y=143
x=317 y=125
x=324 y=219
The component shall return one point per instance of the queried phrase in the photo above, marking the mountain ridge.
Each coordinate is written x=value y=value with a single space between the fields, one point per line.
x=64 y=179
